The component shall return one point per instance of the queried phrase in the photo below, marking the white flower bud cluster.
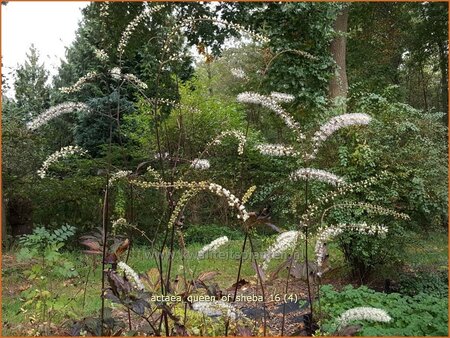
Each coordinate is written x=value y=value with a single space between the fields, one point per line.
x=55 y=111
x=276 y=150
x=117 y=176
x=176 y=185
x=325 y=234
x=104 y=6
x=132 y=27
x=376 y=209
x=270 y=103
x=233 y=201
x=58 y=155
x=164 y=156
x=173 y=57
x=135 y=80
x=316 y=174
x=363 y=313
x=213 y=246
x=185 y=197
x=217 y=309
x=200 y=164
x=119 y=223
x=282 y=97
x=333 y=125
x=101 y=54
x=79 y=84
x=116 y=73
x=248 y=194
x=239 y=73
x=256 y=36
x=218 y=190
x=285 y=241
x=152 y=172
x=173 y=103
x=234 y=133
x=131 y=275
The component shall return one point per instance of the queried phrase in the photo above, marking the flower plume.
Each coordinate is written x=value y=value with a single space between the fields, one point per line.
x=270 y=103
x=55 y=111
x=282 y=97
x=200 y=164
x=131 y=275
x=233 y=201
x=117 y=176
x=233 y=133
x=333 y=125
x=80 y=83
x=58 y=155
x=363 y=313
x=126 y=35
x=116 y=73
x=316 y=174
x=284 y=242
x=276 y=150
x=213 y=246
x=239 y=73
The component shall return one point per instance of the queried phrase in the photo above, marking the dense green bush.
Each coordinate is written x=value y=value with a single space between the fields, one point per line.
x=411 y=145
x=420 y=315
x=365 y=253
x=431 y=283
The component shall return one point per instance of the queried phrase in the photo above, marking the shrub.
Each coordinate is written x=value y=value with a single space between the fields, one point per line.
x=431 y=283
x=42 y=248
x=364 y=253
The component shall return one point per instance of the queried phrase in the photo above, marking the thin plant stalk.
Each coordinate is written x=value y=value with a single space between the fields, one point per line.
x=129 y=249
x=172 y=240
x=105 y=229
x=262 y=286
x=238 y=278
x=86 y=284
x=105 y=216
x=306 y=260
x=286 y=290
x=240 y=266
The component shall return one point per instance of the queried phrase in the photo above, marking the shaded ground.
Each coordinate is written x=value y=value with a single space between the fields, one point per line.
x=424 y=253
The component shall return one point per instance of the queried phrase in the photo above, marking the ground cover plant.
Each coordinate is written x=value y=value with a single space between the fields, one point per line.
x=225 y=198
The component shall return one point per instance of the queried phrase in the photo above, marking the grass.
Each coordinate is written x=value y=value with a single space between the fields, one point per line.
x=423 y=251
x=427 y=250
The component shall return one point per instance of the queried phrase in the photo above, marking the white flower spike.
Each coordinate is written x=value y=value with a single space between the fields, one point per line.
x=213 y=246
x=363 y=313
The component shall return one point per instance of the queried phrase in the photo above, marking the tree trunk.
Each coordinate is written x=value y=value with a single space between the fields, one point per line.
x=4 y=229
x=444 y=79
x=20 y=211
x=338 y=85
x=424 y=88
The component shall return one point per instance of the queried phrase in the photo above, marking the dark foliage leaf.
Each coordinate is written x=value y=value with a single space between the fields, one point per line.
x=347 y=331
x=214 y=290
x=110 y=295
x=180 y=330
x=243 y=331
x=139 y=306
x=239 y=284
